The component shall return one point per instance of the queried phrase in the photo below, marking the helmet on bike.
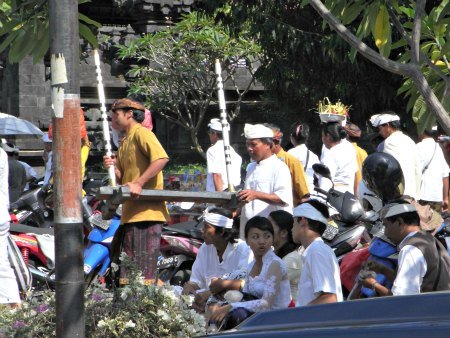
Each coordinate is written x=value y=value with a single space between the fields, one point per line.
x=382 y=174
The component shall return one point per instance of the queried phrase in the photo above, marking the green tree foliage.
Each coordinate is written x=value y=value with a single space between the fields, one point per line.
x=388 y=33
x=412 y=39
x=174 y=69
x=24 y=28
x=303 y=63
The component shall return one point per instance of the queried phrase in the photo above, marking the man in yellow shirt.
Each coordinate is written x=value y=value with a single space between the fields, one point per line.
x=354 y=133
x=300 y=191
x=139 y=164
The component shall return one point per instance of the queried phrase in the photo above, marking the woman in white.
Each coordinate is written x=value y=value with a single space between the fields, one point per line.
x=266 y=278
x=285 y=248
x=299 y=136
x=340 y=158
x=220 y=254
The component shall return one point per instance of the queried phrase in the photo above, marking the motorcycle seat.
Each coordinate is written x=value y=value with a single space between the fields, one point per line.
x=29 y=229
x=190 y=229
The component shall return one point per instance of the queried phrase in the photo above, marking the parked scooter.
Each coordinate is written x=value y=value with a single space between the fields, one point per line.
x=97 y=255
x=350 y=230
x=179 y=247
x=34 y=207
x=36 y=246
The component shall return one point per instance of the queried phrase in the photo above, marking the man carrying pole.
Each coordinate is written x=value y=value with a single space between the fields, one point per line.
x=139 y=164
x=217 y=178
x=225 y=126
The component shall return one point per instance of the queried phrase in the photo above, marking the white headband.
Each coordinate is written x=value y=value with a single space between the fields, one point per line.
x=252 y=131
x=393 y=209
x=379 y=119
x=215 y=124
x=308 y=211
x=217 y=220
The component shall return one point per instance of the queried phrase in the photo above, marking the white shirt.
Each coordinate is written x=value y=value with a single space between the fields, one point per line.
x=431 y=186
x=293 y=261
x=31 y=173
x=48 y=168
x=215 y=159
x=341 y=160
x=270 y=176
x=320 y=273
x=403 y=148
x=271 y=286
x=300 y=152
x=4 y=192
x=412 y=267
x=207 y=264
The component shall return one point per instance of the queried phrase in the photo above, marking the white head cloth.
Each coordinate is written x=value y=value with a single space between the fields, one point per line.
x=308 y=211
x=257 y=131
x=393 y=209
x=215 y=124
x=217 y=220
x=46 y=139
x=379 y=119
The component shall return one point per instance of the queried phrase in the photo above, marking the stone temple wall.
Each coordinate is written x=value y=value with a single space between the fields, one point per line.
x=25 y=87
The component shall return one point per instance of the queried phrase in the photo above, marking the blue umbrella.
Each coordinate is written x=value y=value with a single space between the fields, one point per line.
x=11 y=125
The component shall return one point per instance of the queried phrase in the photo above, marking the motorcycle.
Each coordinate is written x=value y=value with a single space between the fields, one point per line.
x=34 y=207
x=97 y=255
x=179 y=247
x=36 y=246
x=350 y=230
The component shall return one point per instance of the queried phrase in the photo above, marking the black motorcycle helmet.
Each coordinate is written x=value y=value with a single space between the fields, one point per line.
x=383 y=175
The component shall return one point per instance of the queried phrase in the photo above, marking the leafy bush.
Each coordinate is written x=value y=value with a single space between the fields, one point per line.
x=135 y=310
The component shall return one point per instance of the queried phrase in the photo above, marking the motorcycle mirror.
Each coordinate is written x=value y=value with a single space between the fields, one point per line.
x=322 y=170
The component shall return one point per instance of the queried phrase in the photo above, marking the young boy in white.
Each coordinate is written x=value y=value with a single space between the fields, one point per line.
x=320 y=281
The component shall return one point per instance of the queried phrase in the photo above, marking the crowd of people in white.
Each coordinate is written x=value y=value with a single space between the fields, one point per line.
x=280 y=259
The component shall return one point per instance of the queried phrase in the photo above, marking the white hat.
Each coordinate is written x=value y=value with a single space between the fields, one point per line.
x=379 y=119
x=308 y=211
x=252 y=131
x=215 y=124
x=46 y=139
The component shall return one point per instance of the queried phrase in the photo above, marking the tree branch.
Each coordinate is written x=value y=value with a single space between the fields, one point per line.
x=422 y=55
x=416 y=31
x=431 y=99
x=361 y=47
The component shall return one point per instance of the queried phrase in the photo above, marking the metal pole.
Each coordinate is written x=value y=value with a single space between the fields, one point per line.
x=225 y=125
x=64 y=48
x=105 y=125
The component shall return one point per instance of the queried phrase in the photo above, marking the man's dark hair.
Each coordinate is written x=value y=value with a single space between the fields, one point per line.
x=410 y=218
x=394 y=124
x=431 y=133
x=275 y=129
x=314 y=225
x=230 y=235
x=138 y=115
x=260 y=223
x=267 y=140
x=218 y=133
x=300 y=132
x=335 y=130
x=284 y=220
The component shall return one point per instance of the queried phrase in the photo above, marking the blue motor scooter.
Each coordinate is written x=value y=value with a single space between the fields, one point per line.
x=97 y=255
